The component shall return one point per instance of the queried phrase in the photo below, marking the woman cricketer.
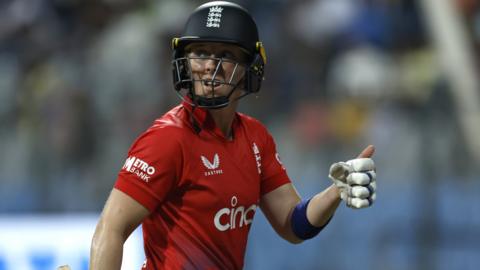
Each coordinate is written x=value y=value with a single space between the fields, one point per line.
x=195 y=179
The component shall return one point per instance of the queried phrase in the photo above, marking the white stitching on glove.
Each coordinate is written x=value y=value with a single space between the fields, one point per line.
x=356 y=180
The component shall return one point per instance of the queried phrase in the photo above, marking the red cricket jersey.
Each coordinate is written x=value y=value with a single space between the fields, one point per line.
x=202 y=190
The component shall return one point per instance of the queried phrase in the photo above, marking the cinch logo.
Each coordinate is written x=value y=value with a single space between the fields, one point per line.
x=230 y=218
x=139 y=167
x=258 y=158
x=211 y=166
x=214 y=17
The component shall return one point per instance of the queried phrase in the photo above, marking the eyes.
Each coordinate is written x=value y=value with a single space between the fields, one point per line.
x=204 y=54
x=224 y=54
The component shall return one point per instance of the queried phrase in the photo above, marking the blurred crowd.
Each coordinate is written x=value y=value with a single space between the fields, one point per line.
x=81 y=79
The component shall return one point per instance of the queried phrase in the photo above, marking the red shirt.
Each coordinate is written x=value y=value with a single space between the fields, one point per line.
x=202 y=189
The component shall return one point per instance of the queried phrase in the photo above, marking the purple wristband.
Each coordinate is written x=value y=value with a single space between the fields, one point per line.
x=301 y=227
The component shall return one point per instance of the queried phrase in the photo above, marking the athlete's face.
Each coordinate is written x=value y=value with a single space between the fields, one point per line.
x=216 y=68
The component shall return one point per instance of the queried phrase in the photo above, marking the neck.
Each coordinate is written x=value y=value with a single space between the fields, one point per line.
x=224 y=118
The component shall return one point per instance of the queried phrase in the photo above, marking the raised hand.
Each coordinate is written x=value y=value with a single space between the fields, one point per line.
x=356 y=179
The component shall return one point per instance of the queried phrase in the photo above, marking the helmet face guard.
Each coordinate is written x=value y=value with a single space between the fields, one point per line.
x=186 y=81
x=219 y=22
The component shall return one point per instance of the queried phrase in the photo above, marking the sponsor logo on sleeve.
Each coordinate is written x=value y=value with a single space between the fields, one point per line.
x=258 y=158
x=139 y=167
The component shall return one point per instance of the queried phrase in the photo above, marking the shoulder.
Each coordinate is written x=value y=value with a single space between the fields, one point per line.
x=256 y=130
x=171 y=121
x=251 y=123
x=253 y=126
x=166 y=130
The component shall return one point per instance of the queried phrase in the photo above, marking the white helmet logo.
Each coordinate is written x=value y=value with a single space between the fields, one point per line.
x=214 y=17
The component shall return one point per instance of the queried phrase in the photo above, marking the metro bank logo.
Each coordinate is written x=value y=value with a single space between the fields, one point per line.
x=139 y=167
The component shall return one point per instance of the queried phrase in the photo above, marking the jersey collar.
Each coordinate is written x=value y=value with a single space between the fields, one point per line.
x=205 y=121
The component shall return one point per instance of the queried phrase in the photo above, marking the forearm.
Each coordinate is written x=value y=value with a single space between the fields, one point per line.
x=106 y=250
x=286 y=213
x=323 y=205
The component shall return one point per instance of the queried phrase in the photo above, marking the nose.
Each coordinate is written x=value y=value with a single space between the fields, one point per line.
x=211 y=64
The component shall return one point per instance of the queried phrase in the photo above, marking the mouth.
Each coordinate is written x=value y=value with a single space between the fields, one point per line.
x=212 y=83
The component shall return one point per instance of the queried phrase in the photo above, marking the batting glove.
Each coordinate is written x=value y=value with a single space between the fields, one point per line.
x=356 y=180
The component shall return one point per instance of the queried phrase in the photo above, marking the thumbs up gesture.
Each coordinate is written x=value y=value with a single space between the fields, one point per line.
x=356 y=179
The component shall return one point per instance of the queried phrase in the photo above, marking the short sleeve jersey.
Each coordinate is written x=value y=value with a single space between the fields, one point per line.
x=202 y=189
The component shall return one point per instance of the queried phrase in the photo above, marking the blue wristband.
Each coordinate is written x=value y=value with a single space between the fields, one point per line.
x=301 y=227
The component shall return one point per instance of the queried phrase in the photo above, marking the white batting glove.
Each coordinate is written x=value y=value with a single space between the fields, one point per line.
x=356 y=180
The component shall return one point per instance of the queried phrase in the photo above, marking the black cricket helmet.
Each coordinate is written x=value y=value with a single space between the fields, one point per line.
x=219 y=22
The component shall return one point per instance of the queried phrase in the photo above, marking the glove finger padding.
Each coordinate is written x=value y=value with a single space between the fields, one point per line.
x=361 y=196
x=361 y=178
x=358 y=203
x=361 y=192
x=361 y=164
x=373 y=185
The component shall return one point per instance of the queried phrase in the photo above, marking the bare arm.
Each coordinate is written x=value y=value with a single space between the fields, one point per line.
x=323 y=205
x=120 y=216
x=278 y=205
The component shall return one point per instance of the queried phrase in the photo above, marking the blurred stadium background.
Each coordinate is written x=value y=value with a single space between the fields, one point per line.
x=80 y=79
